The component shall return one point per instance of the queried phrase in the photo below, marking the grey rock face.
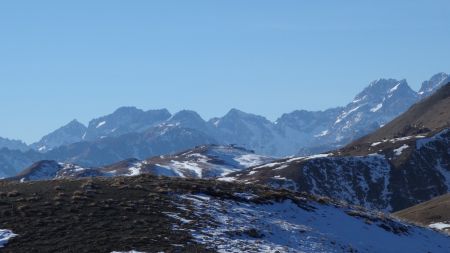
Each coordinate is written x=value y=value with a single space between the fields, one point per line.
x=68 y=134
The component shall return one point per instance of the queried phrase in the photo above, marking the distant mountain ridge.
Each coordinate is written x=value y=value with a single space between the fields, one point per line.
x=205 y=161
x=298 y=132
x=13 y=144
x=405 y=162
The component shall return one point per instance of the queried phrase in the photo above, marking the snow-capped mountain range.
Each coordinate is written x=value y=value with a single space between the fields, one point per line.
x=399 y=165
x=130 y=132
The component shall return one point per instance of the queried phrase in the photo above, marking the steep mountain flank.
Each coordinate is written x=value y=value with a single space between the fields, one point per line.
x=404 y=163
x=68 y=134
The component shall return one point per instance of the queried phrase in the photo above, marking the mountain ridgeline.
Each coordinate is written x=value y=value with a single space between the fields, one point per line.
x=405 y=162
x=133 y=133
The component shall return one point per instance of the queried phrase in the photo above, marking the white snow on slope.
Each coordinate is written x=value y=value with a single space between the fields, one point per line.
x=439 y=225
x=250 y=160
x=101 y=124
x=135 y=170
x=398 y=151
x=5 y=236
x=216 y=161
x=376 y=143
x=230 y=226
x=394 y=88
x=345 y=114
x=323 y=133
x=132 y=251
x=227 y=179
x=376 y=108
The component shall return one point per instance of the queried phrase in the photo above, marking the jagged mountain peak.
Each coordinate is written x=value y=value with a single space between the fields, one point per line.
x=123 y=121
x=399 y=165
x=434 y=83
x=187 y=119
x=430 y=114
x=381 y=88
x=75 y=122
x=186 y=115
x=127 y=109
x=70 y=133
x=234 y=114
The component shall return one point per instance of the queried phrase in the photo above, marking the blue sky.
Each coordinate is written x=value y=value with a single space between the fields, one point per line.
x=61 y=60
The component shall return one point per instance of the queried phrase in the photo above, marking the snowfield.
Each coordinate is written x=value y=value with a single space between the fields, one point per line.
x=440 y=226
x=5 y=236
x=242 y=226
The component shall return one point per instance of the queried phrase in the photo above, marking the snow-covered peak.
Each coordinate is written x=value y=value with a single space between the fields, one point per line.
x=188 y=119
x=123 y=121
x=435 y=82
x=382 y=88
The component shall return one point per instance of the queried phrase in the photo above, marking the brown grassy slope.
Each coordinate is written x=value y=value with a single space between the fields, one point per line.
x=435 y=210
x=112 y=214
x=91 y=215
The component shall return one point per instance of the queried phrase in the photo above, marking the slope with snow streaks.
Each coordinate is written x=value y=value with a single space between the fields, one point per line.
x=207 y=161
x=400 y=173
x=46 y=170
x=250 y=224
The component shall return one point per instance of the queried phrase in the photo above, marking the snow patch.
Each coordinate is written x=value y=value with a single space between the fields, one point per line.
x=376 y=143
x=132 y=251
x=376 y=108
x=439 y=225
x=249 y=160
x=398 y=151
x=394 y=88
x=101 y=124
x=5 y=236
x=323 y=133
x=227 y=179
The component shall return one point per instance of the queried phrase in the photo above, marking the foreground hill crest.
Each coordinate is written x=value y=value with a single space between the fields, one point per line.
x=151 y=214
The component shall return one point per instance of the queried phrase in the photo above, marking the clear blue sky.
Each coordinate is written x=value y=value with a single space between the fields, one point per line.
x=61 y=60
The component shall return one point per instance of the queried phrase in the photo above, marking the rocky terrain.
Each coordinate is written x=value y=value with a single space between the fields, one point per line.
x=71 y=133
x=151 y=214
x=402 y=164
